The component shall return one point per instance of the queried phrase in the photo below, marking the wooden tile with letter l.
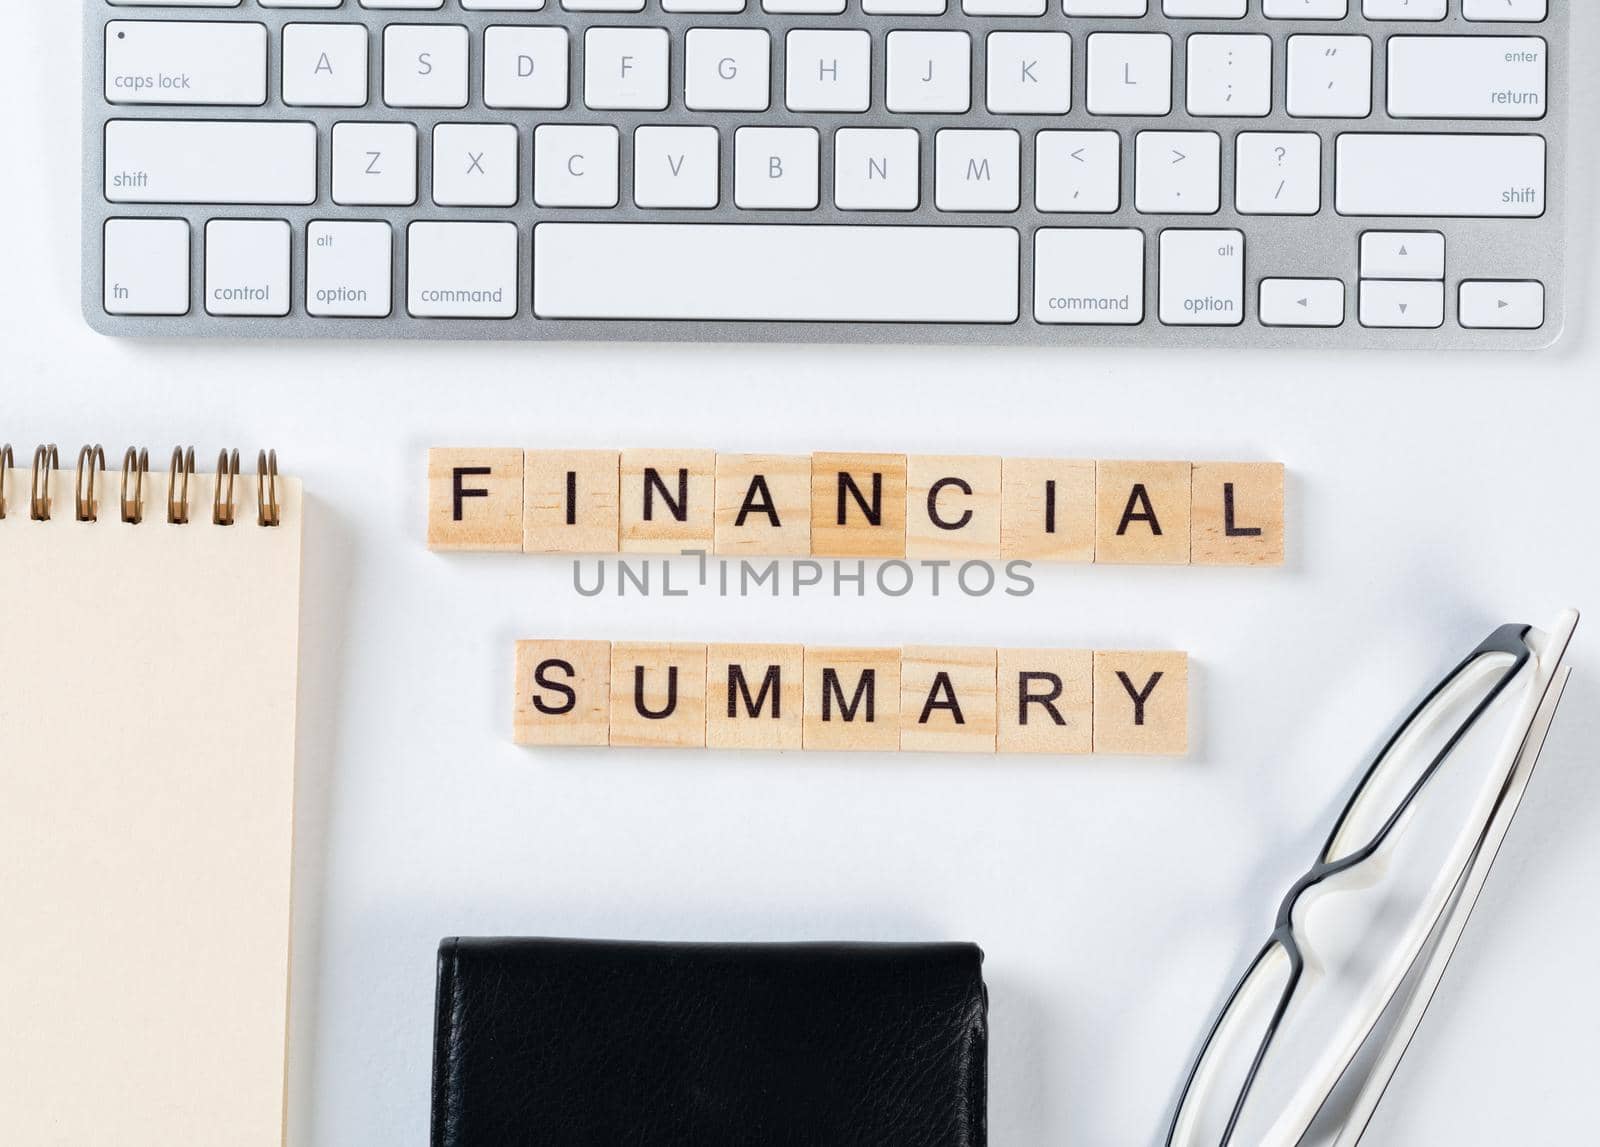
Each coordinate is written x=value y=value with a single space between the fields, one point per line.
x=764 y=505
x=1238 y=514
x=570 y=502
x=1046 y=701
x=1142 y=513
x=563 y=693
x=668 y=500
x=947 y=699
x=858 y=505
x=1141 y=703
x=474 y=499
x=952 y=507
x=755 y=696
x=658 y=695
x=1047 y=509
x=852 y=700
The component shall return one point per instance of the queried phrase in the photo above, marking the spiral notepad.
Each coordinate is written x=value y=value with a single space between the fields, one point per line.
x=148 y=653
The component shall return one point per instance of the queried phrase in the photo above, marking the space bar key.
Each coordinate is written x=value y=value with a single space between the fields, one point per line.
x=775 y=272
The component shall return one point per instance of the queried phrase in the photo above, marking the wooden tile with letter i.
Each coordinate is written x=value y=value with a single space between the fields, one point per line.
x=668 y=500
x=474 y=499
x=563 y=693
x=1142 y=513
x=764 y=504
x=1238 y=514
x=1046 y=701
x=858 y=505
x=947 y=699
x=658 y=695
x=1047 y=509
x=1141 y=703
x=952 y=507
x=570 y=502
x=755 y=696
x=852 y=700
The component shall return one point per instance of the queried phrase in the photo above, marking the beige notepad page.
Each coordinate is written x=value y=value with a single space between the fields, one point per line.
x=147 y=738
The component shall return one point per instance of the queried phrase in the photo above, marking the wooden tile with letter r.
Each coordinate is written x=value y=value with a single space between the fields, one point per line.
x=668 y=500
x=1142 y=513
x=1047 y=509
x=474 y=499
x=755 y=696
x=1141 y=703
x=858 y=505
x=1046 y=701
x=570 y=502
x=764 y=504
x=563 y=693
x=947 y=699
x=658 y=695
x=852 y=700
x=952 y=507
x=1238 y=514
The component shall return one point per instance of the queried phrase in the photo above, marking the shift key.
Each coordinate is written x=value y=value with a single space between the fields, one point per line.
x=1418 y=175
x=188 y=161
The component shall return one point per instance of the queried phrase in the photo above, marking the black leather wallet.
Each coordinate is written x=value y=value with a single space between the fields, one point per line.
x=569 y=1043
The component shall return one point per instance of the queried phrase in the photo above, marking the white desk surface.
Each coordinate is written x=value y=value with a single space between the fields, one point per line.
x=1431 y=497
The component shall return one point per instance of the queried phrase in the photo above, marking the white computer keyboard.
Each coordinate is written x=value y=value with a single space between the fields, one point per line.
x=1138 y=172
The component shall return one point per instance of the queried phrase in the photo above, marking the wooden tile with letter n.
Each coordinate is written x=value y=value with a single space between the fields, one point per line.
x=1238 y=514
x=1142 y=512
x=764 y=505
x=852 y=700
x=1046 y=701
x=947 y=699
x=952 y=507
x=474 y=499
x=858 y=505
x=1047 y=509
x=563 y=693
x=755 y=696
x=570 y=502
x=1141 y=703
x=658 y=695
x=668 y=500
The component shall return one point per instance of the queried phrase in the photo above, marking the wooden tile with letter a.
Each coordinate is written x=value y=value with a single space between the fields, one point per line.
x=858 y=505
x=563 y=693
x=658 y=695
x=852 y=700
x=474 y=499
x=1046 y=701
x=952 y=507
x=755 y=696
x=1047 y=510
x=764 y=505
x=668 y=500
x=1238 y=514
x=1141 y=703
x=947 y=699
x=570 y=502
x=1142 y=512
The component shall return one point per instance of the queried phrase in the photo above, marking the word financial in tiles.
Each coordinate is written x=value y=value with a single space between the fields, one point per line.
x=916 y=699
x=856 y=506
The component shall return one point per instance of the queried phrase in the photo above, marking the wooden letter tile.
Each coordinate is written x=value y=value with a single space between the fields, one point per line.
x=474 y=499
x=947 y=699
x=658 y=695
x=570 y=502
x=858 y=505
x=952 y=507
x=1142 y=511
x=1238 y=514
x=1046 y=701
x=852 y=700
x=563 y=693
x=1141 y=703
x=755 y=696
x=668 y=500
x=764 y=504
x=1047 y=510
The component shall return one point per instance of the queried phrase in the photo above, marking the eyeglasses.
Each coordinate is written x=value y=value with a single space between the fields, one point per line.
x=1307 y=1041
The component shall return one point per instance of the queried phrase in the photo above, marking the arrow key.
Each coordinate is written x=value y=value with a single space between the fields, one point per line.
x=1489 y=305
x=1302 y=302
x=1389 y=303
x=1402 y=255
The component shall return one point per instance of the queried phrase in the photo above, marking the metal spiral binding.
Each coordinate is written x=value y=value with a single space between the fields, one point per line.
x=135 y=465
x=45 y=460
x=178 y=497
x=91 y=464
x=6 y=462
x=268 y=512
x=222 y=506
x=91 y=468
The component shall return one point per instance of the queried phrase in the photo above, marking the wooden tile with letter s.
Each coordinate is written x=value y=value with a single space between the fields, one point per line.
x=764 y=505
x=1047 y=509
x=858 y=505
x=1046 y=701
x=1238 y=514
x=1142 y=512
x=570 y=502
x=852 y=700
x=947 y=699
x=658 y=695
x=755 y=696
x=952 y=507
x=1141 y=703
x=474 y=499
x=563 y=693
x=668 y=500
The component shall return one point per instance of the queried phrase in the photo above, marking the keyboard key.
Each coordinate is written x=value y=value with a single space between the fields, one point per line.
x=702 y=5
x=603 y=5
x=675 y=166
x=147 y=267
x=490 y=5
x=1385 y=303
x=1030 y=72
x=775 y=168
x=1202 y=278
x=425 y=66
x=1403 y=9
x=325 y=65
x=525 y=67
x=374 y=164
x=903 y=7
x=876 y=169
x=1531 y=11
x=728 y=69
x=185 y=62
x=775 y=272
x=1105 y=7
x=1084 y=275
x=625 y=68
x=1467 y=77
x=813 y=7
x=1278 y=173
x=828 y=71
x=1502 y=305
x=1003 y=7
x=929 y=72
x=1402 y=255
x=1230 y=75
x=1449 y=175
x=575 y=165
x=475 y=165
x=1302 y=302
x=977 y=170
x=462 y=270
x=1305 y=9
x=349 y=270
x=1221 y=9
x=247 y=267
x=1130 y=73
x=1078 y=171
x=1330 y=76
x=184 y=161
x=1178 y=172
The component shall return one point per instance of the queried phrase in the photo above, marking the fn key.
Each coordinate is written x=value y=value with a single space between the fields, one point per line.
x=146 y=267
